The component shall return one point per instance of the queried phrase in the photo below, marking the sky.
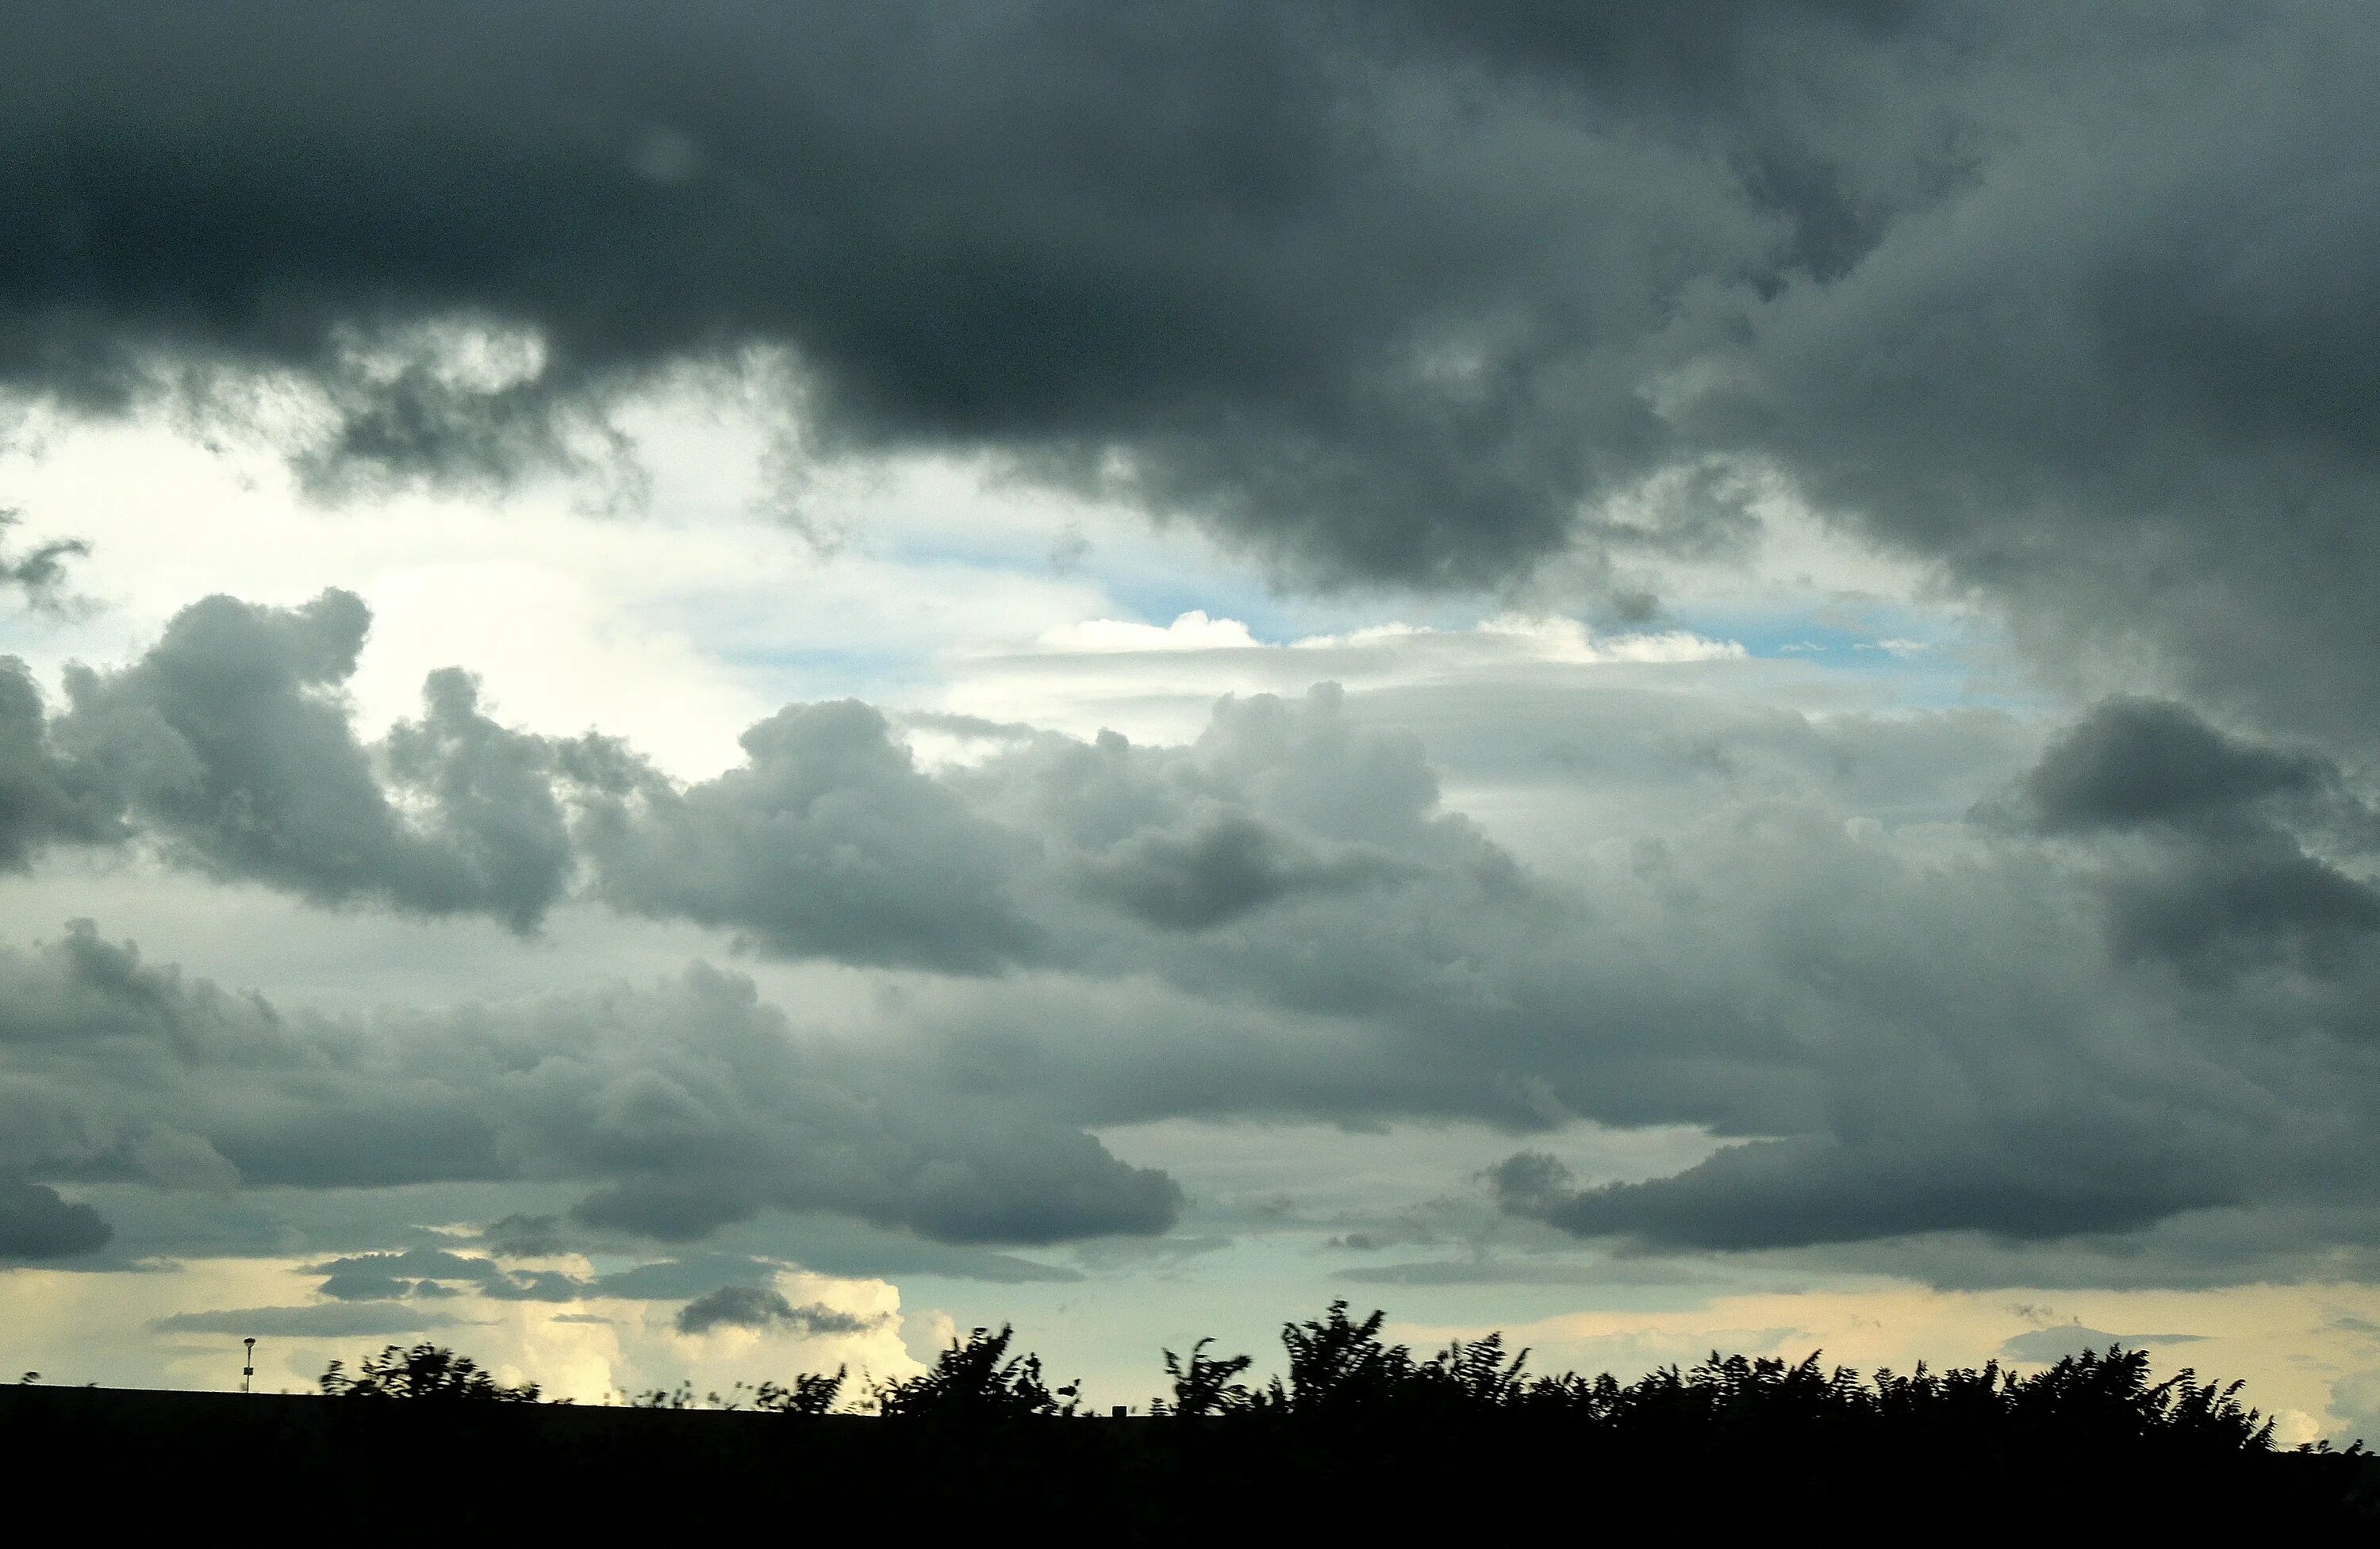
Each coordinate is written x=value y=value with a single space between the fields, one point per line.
x=689 y=693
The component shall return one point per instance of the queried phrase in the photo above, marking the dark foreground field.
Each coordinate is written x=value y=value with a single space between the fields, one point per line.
x=101 y=1462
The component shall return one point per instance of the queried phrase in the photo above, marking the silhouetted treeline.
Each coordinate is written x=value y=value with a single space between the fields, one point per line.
x=1357 y=1435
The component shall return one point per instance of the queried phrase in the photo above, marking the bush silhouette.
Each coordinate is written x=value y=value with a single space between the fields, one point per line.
x=1358 y=1433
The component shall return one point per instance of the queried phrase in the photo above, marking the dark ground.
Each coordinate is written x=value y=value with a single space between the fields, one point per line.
x=102 y=1462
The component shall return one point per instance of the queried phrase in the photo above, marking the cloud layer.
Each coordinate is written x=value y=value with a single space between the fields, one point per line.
x=1413 y=292
x=1277 y=918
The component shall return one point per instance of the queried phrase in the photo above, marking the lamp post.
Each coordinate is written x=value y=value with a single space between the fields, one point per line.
x=247 y=1370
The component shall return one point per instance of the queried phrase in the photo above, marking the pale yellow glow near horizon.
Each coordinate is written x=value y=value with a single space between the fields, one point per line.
x=75 y=1328
x=2288 y=1343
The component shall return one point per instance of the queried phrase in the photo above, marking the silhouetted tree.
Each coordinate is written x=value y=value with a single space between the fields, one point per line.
x=1477 y=1375
x=810 y=1392
x=1204 y=1386
x=976 y=1378
x=426 y=1371
x=1337 y=1365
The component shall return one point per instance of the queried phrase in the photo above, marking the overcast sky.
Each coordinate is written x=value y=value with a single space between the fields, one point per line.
x=705 y=690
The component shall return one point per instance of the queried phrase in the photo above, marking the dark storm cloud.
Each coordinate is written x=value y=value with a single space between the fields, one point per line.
x=1389 y=291
x=2117 y=372
x=1307 y=270
x=1396 y=292
x=758 y=1308
x=2220 y=862
x=2133 y=761
x=691 y=1094
x=36 y=1224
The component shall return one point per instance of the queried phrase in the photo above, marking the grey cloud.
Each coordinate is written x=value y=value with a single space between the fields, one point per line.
x=2236 y=849
x=2111 y=372
x=39 y=573
x=755 y=1307
x=839 y=1245
x=230 y=744
x=422 y=1271
x=1772 y=1194
x=827 y=841
x=523 y=1236
x=1395 y=292
x=667 y=1210
x=2254 y=905
x=2268 y=1243
x=329 y=1319
x=1834 y=994
x=692 y=1091
x=2355 y=1401
x=2047 y=1345
x=1838 y=999
x=230 y=740
x=689 y=1278
x=41 y=801
x=35 y=1223
x=1219 y=871
x=1512 y=1272
x=2135 y=761
x=1294 y=269
x=1401 y=292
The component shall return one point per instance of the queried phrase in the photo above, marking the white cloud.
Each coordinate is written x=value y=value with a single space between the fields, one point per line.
x=1156 y=684
x=1193 y=631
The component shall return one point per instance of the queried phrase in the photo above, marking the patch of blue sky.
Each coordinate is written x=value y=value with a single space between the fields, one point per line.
x=1155 y=580
x=810 y=673
x=1926 y=660
x=1271 y=618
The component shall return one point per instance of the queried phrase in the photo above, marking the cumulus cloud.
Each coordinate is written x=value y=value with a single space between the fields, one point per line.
x=1278 y=916
x=828 y=841
x=230 y=742
x=41 y=801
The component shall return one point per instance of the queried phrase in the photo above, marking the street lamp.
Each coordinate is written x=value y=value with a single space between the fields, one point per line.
x=248 y=1372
